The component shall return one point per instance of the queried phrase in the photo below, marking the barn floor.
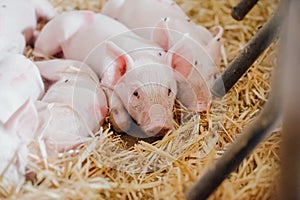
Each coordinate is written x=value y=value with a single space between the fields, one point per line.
x=113 y=166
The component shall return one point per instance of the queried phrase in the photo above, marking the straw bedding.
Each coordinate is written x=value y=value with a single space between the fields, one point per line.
x=114 y=166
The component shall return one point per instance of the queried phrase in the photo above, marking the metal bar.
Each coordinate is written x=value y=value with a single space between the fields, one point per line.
x=290 y=148
x=242 y=8
x=237 y=152
x=238 y=67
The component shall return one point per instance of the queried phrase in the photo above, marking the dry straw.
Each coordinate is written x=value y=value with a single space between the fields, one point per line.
x=112 y=166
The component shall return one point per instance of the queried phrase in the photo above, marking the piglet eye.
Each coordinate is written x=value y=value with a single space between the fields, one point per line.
x=169 y=91
x=136 y=94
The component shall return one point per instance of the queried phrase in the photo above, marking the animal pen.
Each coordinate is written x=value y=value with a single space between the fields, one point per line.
x=232 y=151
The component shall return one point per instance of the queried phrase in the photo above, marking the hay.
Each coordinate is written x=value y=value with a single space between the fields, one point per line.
x=113 y=166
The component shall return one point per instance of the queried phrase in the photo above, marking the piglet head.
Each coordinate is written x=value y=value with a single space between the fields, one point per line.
x=148 y=93
x=15 y=134
x=193 y=63
x=147 y=89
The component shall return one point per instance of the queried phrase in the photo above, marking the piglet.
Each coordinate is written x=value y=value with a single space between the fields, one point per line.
x=74 y=105
x=18 y=20
x=165 y=23
x=20 y=80
x=61 y=128
x=15 y=134
x=138 y=71
x=144 y=16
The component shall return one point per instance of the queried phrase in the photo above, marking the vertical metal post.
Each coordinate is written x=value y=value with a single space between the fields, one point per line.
x=290 y=61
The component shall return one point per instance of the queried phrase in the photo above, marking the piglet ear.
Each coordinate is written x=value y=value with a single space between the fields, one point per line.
x=121 y=63
x=24 y=122
x=43 y=9
x=214 y=46
x=181 y=56
x=161 y=34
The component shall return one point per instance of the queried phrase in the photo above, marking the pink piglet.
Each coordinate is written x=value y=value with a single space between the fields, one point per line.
x=18 y=21
x=163 y=22
x=73 y=107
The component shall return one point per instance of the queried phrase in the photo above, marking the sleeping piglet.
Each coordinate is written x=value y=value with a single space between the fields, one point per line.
x=18 y=20
x=137 y=69
x=20 y=80
x=15 y=134
x=61 y=128
x=165 y=23
x=73 y=107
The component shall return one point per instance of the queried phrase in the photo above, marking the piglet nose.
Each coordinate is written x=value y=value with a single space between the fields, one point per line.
x=157 y=125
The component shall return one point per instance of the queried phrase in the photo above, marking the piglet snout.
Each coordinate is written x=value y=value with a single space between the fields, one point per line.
x=158 y=125
x=155 y=111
